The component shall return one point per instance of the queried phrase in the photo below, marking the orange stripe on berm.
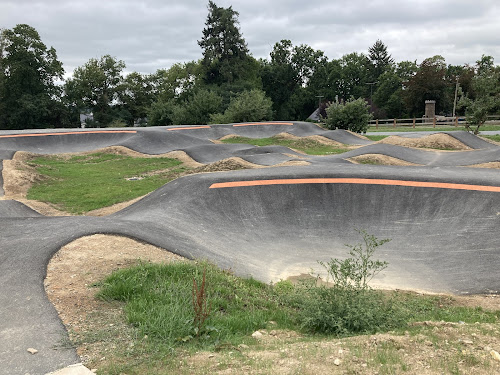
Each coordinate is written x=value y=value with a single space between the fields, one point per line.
x=361 y=181
x=190 y=128
x=66 y=133
x=265 y=123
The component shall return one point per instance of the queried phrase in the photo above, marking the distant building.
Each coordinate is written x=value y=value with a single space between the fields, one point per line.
x=84 y=118
x=315 y=116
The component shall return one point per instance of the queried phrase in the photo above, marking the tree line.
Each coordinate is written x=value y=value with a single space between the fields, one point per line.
x=229 y=85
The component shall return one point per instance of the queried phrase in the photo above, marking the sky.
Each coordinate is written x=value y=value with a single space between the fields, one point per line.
x=155 y=34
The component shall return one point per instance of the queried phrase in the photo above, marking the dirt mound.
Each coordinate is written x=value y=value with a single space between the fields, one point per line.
x=229 y=164
x=493 y=164
x=315 y=138
x=435 y=141
x=379 y=159
x=18 y=175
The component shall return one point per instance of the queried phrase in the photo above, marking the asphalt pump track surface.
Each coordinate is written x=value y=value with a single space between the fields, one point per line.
x=271 y=223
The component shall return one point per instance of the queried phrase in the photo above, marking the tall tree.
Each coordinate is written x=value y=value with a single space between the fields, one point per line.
x=428 y=83
x=484 y=96
x=95 y=86
x=29 y=95
x=381 y=60
x=388 y=96
x=353 y=76
x=136 y=95
x=291 y=79
x=226 y=59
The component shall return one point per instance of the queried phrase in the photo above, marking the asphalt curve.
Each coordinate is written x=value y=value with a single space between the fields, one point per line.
x=271 y=223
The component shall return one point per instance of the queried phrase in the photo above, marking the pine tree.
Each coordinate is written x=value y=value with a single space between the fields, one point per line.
x=224 y=49
x=381 y=59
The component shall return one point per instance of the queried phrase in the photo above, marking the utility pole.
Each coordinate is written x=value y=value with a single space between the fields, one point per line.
x=455 y=101
x=371 y=88
x=319 y=100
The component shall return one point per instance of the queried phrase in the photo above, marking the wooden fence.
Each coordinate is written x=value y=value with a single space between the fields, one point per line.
x=428 y=122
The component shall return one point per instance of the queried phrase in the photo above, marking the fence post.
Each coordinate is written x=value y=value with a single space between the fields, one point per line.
x=413 y=122
x=394 y=123
x=434 y=122
x=456 y=121
x=376 y=124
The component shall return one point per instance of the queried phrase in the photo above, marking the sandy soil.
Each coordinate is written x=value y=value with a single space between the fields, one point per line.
x=433 y=141
x=380 y=159
x=493 y=164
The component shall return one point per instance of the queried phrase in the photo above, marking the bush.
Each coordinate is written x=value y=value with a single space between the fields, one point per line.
x=247 y=106
x=350 y=306
x=352 y=115
x=198 y=109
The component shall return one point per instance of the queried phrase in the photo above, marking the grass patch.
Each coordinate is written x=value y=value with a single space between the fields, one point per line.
x=159 y=332
x=84 y=183
x=159 y=304
x=376 y=137
x=308 y=146
x=495 y=137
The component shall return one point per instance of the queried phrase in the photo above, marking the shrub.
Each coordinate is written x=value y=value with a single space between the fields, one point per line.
x=251 y=105
x=350 y=306
x=352 y=115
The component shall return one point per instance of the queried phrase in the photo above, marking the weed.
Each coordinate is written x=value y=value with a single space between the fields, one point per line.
x=358 y=270
x=200 y=304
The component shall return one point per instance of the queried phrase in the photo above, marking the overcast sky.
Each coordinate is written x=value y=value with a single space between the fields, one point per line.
x=153 y=34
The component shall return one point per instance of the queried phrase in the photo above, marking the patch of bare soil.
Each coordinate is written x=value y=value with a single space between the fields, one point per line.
x=461 y=350
x=493 y=164
x=74 y=269
x=433 y=141
x=315 y=138
x=380 y=160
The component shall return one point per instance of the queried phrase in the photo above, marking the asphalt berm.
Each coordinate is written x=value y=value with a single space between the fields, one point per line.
x=270 y=223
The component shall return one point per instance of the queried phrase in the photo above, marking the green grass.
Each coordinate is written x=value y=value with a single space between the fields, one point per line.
x=158 y=319
x=308 y=146
x=84 y=183
x=495 y=138
x=376 y=137
x=159 y=303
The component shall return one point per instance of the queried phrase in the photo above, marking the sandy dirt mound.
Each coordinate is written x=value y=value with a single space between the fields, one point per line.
x=237 y=163
x=380 y=160
x=493 y=164
x=434 y=141
x=316 y=138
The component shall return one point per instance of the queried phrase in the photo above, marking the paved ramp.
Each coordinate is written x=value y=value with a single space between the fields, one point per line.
x=270 y=223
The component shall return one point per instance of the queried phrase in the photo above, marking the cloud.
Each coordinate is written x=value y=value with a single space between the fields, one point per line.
x=153 y=34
